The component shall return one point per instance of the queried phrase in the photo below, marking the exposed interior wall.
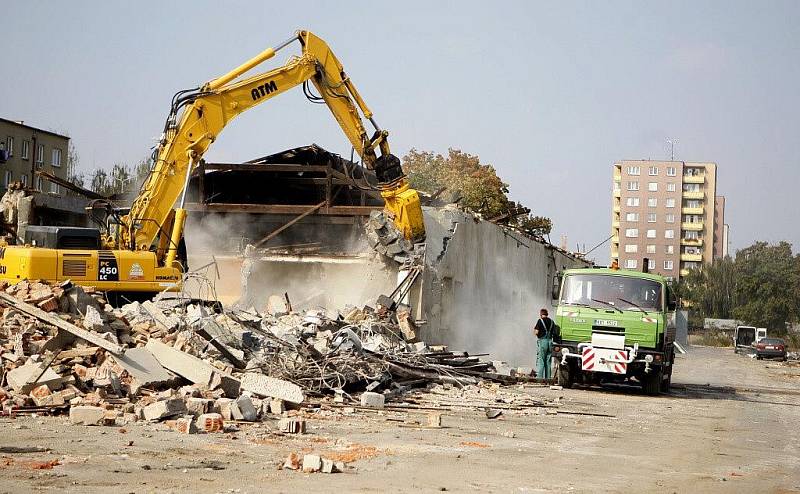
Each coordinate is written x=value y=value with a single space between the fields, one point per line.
x=484 y=285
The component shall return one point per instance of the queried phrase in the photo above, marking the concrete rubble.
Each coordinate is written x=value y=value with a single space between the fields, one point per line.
x=198 y=367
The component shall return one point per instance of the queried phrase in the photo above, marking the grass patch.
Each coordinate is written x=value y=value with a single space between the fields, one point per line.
x=711 y=338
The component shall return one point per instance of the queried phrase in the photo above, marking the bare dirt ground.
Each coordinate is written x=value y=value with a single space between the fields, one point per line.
x=730 y=424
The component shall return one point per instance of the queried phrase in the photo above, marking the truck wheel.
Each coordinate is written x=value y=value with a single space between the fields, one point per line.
x=564 y=376
x=666 y=383
x=651 y=384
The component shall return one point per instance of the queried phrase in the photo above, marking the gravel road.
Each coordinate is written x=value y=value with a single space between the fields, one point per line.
x=730 y=424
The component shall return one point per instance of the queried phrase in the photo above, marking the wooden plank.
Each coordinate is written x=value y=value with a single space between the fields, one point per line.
x=56 y=321
x=280 y=209
x=275 y=232
x=260 y=167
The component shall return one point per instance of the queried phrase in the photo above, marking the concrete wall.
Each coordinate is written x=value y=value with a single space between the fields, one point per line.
x=483 y=286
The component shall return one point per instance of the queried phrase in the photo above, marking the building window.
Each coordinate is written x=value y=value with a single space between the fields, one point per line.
x=24 y=179
x=691 y=187
x=671 y=187
x=7 y=178
x=631 y=263
x=651 y=217
x=668 y=265
x=652 y=202
x=10 y=146
x=616 y=185
x=691 y=235
x=39 y=183
x=653 y=171
x=671 y=172
x=651 y=234
x=652 y=186
x=26 y=149
x=632 y=232
x=632 y=217
x=634 y=170
x=40 y=153
x=651 y=264
x=631 y=248
x=54 y=188
x=651 y=249
x=633 y=185
x=56 y=157
x=669 y=233
x=670 y=218
x=670 y=203
x=632 y=201
x=669 y=249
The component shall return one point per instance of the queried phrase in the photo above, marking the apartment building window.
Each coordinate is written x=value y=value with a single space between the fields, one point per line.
x=39 y=183
x=692 y=203
x=10 y=145
x=7 y=178
x=670 y=203
x=633 y=185
x=632 y=232
x=669 y=233
x=669 y=249
x=56 y=161
x=691 y=187
x=692 y=172
x=671 y=187
x=651 y=217
x=616 y=185
x=631 y=263
x=691 y=235
x=631 y=248
x=692 y=218
x=653 y=171
x=632 y=201
x=634 y=170
x=54 y=188
x=26 y=149
x=24 y=179
x=671 y=172
x=632 y=217
x=651 y=234
x=669 y=218
x=651 y=249
x=652 y=186
x=668 y=265
x=40 y=153
x=651 y=264
x=652 y=202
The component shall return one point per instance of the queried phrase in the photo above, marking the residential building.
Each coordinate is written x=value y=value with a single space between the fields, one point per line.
x=25 y=149
x=666 y=212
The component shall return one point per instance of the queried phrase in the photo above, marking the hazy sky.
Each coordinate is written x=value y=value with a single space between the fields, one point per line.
x=550 y=93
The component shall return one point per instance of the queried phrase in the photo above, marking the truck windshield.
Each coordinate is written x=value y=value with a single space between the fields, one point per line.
x=596 y=290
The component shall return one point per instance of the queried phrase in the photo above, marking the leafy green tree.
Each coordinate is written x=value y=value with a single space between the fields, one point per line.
x=767 y=285
x=476 y=186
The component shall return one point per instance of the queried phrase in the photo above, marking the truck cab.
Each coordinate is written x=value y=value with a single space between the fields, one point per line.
x=616 y=326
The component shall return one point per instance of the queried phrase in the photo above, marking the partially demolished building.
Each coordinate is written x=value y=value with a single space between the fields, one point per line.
x=303 y=213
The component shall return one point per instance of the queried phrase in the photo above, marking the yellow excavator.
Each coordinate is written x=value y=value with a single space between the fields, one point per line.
x=140 y=252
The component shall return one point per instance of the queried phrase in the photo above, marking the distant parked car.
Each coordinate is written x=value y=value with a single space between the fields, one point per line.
x=771 y=348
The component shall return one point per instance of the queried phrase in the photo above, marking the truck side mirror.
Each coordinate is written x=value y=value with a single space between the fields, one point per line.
x=556 y=291
x=672 y=302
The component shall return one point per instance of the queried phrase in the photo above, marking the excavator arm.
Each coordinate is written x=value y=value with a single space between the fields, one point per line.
x=208 y=109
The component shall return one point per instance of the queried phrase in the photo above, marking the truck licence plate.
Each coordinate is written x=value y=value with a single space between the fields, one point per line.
x=606 y=322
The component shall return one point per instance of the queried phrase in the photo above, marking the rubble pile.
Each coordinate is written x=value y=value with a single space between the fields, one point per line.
x=200 y=366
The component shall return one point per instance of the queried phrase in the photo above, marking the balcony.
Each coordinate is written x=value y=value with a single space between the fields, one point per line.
x=692 y=257
x=618 y=193
x=615 y=224
x=694 y=195
x=695 y=242
x=700 y=210
x=616 y=208
x=692 y=227
x=694 y=179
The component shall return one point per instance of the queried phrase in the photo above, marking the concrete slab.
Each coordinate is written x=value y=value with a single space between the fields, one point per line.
x=192 y=368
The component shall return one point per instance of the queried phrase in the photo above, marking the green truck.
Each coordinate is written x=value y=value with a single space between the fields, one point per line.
x=616 y=326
